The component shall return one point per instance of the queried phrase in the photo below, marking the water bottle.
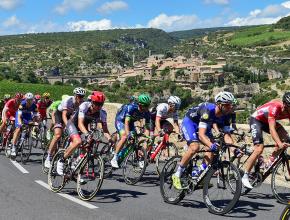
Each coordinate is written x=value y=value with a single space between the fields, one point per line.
x=121 y=154
x=195 y=172
x=202 y=167
x=261 y=161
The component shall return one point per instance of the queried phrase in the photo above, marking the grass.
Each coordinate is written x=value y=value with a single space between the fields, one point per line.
x=10 y=87
x=259 y=36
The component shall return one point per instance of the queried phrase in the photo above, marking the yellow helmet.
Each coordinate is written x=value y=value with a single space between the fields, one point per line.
x=46 y=94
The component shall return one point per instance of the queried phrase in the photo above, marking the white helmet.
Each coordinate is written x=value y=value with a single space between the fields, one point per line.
x=29 y=95
x=224 y=98
x=174 y=100
x=79 y=91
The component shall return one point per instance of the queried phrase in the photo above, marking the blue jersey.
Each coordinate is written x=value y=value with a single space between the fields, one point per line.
x=226 y=120
x=25 y=111
x=203 y=114
x=132 y=112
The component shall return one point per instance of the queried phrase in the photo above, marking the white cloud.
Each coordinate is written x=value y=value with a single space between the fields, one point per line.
x=9 y=4
x=109 y=7
x=269 y=15
x=218 y=2
x=10 y=22
x=103 y=24
x=77 y=5
x=175 y=22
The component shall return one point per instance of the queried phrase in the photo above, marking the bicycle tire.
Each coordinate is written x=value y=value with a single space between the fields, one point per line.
x=139 y=154
x=168 y=170
x=26 y=147
x=107 y=156
x=171 y=147
x=285 y=213
x=276 y=181
x=52 y=174
x=96 y=176
x=212 y=206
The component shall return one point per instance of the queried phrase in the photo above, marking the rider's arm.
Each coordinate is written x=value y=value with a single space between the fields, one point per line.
x=19 y=117
x=64 y=116
x=106 y=131
x=203 y=137
x=176 y=126
x=4 y=111
x=157 y=123
x=82 y=126
x=273 y=132
x=215 y=127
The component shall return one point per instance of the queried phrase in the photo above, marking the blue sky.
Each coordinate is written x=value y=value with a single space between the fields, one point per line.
x=33 y=16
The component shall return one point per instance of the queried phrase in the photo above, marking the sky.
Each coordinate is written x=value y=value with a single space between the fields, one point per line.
x=38 y=16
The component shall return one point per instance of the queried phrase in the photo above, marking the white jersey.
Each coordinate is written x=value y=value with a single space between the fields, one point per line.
x=68 y=104
x=162 y=112
x=84 y=111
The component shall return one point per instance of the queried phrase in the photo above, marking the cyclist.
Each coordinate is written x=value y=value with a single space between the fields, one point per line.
x=87 y=113
x=51 y=114
x=265 y=119
x=10 y=109
x=26 y=113
x=4 y=101
x=64 y=111
x=196 y=126
x=164 y=111
x=124 y=122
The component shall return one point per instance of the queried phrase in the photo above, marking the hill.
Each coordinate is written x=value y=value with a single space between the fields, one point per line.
x=187 y=34
x=283 y=23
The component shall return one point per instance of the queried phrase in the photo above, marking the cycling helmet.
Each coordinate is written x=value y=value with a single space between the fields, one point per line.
x=46 y=94
x=37 y=97
x=29 y=95
x=224 y=98
x=144 y=99
x=63 y=97
x=98 y=97
x=79 y=91
x=89 y=98
x=7 y=96
x=175 y=100
x=19 y=95
x=286 y=98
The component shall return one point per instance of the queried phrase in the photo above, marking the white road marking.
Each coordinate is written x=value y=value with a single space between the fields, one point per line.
x=19 y=167
x=69 y=197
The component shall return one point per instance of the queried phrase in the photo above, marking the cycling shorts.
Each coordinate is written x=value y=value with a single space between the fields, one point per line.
x=257 y=128
x=58 y=120
x=72 y=130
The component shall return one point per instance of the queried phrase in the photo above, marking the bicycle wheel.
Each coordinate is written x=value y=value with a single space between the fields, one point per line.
x=8 y=146
x=107 y=154
x=134 y=165
x=164 y=155
x=55 y=181
x=90 y=178
x=26 y=147
x=222 y=188
x=280 y=182
x=286 y=213
x=168 y=192
x=44 y=156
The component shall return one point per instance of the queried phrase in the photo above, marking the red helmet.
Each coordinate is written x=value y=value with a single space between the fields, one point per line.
x=37 y=96
x=98 y=97
x=19 y=95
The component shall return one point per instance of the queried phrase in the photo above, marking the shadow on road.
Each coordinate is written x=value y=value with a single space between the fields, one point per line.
x=247 y=209
x=116 y=195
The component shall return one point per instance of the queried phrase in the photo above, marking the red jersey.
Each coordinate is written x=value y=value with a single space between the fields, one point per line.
x=12 y=107
x=42 y=106
x=271 y=111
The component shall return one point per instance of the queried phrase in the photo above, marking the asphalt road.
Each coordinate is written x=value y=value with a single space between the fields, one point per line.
x=25 y=196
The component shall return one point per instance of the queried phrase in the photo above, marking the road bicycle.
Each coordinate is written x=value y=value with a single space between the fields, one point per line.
x=285 y=213
x=221 y=181
x=87 y=169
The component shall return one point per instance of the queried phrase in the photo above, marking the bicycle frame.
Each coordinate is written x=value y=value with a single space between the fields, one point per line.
x=160 y=146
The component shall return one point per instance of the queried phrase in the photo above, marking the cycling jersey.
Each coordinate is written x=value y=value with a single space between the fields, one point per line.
x=54 y=105
x=271 y=111
x=202 y=116
x=10 y=107
x=130 y=111
x=26 y=113
x=162 y=112
x=42 y=106
x=225 y=122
